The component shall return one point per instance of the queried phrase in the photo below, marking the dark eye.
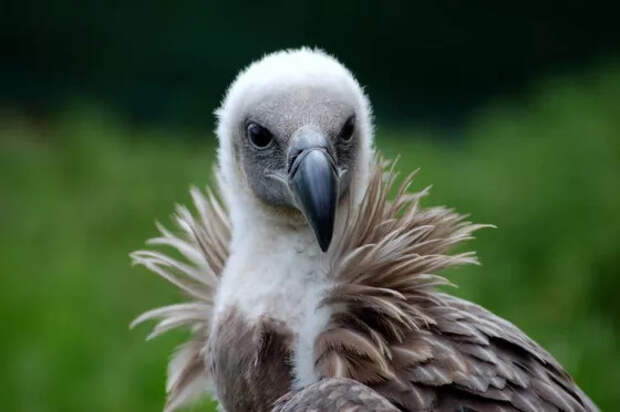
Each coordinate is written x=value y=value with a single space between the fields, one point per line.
x=259 y=136
x=346 y=133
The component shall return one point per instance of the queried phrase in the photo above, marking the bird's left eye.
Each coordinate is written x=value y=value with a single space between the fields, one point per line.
x=346 y=133
x=259 y=136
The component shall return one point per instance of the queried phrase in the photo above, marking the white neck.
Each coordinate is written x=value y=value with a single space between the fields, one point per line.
x=267 y=263
x=277 y=270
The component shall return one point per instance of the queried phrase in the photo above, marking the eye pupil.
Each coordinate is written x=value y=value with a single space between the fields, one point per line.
x=259 y=136
x=347 y=130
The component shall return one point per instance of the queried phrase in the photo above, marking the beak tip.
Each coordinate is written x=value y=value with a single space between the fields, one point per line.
x=324 y=244
x=323 y=228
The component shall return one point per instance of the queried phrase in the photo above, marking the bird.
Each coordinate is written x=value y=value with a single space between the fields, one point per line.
x=312 y=276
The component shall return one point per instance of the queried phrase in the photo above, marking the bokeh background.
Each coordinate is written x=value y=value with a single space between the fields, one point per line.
x=511 y=112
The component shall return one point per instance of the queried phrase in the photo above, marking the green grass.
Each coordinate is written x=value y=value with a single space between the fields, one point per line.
x=81 y=191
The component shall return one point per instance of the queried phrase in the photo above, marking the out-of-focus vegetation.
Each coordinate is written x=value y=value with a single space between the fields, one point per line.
x=80 y=191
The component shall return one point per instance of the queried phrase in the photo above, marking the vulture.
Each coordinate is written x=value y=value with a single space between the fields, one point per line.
x=311 y=276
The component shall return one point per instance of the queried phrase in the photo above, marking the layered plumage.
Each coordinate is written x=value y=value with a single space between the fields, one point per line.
x=310 y=288
x=390 y=330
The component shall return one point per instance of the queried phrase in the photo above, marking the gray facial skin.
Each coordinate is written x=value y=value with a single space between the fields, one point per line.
x=287 y=114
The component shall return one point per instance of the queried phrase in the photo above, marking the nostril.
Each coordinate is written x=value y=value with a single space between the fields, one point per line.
x=292 y=157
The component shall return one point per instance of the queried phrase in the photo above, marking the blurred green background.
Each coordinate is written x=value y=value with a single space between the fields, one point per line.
x=512 y=115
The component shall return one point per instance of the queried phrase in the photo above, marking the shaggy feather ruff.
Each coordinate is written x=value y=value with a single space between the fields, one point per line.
x=421 y=349
x=384 y=266
x=203 y=242
x=390 y=329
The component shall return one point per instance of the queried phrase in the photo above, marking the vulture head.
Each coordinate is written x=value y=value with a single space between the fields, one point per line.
x=295 y=139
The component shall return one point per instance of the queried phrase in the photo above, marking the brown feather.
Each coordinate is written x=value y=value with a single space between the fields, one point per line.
x=439 y=352
x=335 y=394
x=390 y=329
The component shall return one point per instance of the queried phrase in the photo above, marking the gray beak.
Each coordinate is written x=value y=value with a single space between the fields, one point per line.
x=313 y=181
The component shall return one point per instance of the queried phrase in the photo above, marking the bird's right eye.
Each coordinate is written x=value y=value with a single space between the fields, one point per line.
x=259 y=136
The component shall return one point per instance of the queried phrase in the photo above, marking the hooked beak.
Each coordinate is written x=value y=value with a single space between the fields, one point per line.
x=313 y=181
